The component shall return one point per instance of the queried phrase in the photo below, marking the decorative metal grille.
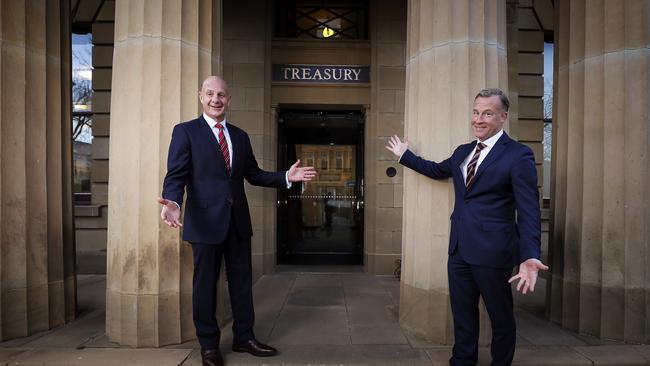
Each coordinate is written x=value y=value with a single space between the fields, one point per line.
x=321 y=19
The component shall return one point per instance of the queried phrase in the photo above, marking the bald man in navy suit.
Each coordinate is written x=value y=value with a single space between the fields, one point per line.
x=495 y=226
x=209 y=159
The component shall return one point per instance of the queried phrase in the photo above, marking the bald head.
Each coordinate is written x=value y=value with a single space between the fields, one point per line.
x=214 y=97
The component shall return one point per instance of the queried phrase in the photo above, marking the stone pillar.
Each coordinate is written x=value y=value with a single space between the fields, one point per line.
x=599 y=248
x=37 y=273
x=454 y=49
x=163 y=50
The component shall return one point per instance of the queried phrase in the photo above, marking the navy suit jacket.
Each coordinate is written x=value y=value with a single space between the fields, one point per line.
x=496 y=222
x=214 y=198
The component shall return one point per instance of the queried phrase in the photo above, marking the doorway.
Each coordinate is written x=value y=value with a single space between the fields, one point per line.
x=321 y=222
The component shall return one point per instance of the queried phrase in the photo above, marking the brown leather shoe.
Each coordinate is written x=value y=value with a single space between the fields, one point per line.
x=211 y=357
x=255 y=348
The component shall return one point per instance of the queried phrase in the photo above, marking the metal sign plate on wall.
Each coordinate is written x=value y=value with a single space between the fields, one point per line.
x=348 y=74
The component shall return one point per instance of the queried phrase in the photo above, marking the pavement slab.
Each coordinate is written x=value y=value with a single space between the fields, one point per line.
x=613 y=355
x=100 y=357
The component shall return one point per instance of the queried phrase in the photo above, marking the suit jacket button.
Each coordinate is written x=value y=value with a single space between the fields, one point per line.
x=230 y=200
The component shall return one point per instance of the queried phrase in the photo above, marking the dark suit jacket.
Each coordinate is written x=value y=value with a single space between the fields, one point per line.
x=195 y=163
x=496 y=222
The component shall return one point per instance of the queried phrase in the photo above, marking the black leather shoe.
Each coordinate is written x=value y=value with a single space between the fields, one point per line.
x=211 y=357
x=255 y=348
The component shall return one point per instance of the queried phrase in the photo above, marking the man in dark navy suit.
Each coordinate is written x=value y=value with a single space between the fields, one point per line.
x=495 y=225
x=210 y=159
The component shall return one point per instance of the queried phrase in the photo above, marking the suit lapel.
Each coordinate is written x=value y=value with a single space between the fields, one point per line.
x=496 y=151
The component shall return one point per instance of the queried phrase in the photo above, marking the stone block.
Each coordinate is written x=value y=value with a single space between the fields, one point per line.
x=398 y=194
x=531 y=108
x=100 y=148
x=545 y=12
x=530 y=63
x=101 y=124
x=250 y=121
x=99 y=171
x=102 y=78
x=254 y=99
x=90 y=239
x=102 y=56
x=389 y=219
x=390 y=124
x=101 y=101
x=248 y=75
x=426 y=313
x=235 y=51
x=531 y=41
x=385 y=195
x=531 y=130
x=103 y=33
x=392 y=77
x=531 y=85
x=527 y=20
x=99 y=194
x=107 y=12
x=386 y=101
x=168 y=318
x=391 y=54
x=14 y=313
x=92 y=222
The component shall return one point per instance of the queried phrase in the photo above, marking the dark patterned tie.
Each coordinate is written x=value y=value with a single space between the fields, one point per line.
x=471 y=167
x=224 y=146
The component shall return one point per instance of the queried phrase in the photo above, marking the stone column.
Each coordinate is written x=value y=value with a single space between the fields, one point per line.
x=599 y=250
x=454 y=49
x=163 y=50
x=37 y=273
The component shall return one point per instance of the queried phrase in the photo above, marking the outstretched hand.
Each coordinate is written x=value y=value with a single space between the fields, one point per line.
x=527 y=275
x=171 y=213
x=396 y=146
x=298 y=174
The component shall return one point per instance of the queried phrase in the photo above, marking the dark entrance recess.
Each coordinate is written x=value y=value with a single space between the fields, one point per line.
x=321 y=222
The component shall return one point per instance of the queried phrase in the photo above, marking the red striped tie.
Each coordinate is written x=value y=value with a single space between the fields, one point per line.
x=471 y=167
x=224 y=146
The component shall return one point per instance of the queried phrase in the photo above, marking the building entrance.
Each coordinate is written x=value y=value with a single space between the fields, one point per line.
x=321 y=222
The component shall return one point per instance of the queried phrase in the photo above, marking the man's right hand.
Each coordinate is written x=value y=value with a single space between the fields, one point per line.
x=171 y=213
x=396 y=146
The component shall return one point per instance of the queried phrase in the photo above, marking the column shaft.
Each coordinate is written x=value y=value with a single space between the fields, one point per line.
x=37 y=272
x=163 y=50
x=454 y=49
x=599 y=235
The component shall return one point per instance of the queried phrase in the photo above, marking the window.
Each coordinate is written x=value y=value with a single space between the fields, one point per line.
x=324 y=160
x=82 y=115
x=321 y=19
x=339 y=160
x=548 y=121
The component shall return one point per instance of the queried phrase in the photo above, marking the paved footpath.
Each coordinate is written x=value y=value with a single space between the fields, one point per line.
x=315 y=319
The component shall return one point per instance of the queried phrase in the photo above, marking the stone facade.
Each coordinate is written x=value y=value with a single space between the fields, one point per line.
x=427 y=60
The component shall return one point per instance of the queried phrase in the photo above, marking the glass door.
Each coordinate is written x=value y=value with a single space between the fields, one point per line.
x=321 y=222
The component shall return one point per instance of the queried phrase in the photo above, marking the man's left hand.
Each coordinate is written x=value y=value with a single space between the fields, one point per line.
x=298 y=174
x=528 y=275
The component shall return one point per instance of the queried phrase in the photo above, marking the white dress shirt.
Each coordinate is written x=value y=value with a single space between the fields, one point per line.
x=212 y=123
x=488 y=146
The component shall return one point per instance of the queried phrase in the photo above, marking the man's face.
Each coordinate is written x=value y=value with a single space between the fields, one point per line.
x=214 y=98
x=488 y=117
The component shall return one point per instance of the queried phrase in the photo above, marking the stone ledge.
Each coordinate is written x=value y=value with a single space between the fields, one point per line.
x=87 y=211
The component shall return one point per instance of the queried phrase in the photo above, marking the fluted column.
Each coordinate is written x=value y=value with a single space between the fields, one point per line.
x=454 y=49
x=37 y=273
x=163 y=50
x=599 y=250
